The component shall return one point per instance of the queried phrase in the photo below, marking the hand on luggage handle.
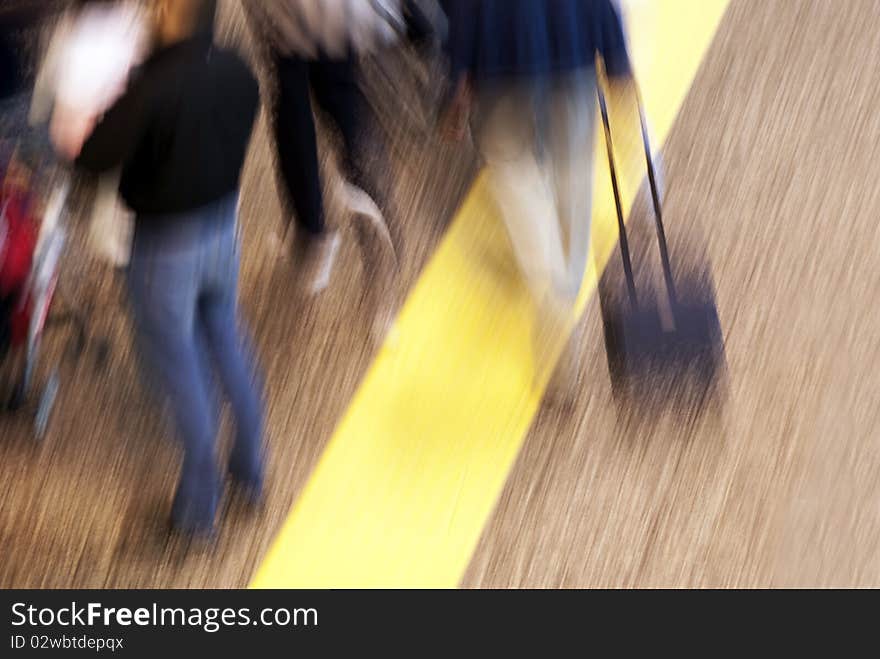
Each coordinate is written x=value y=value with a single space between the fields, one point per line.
x=655 y=199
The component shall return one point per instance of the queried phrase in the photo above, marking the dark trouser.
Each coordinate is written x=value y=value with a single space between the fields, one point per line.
x=9 y=65
x=183 y=280
x=336 y=91
x=418 y=27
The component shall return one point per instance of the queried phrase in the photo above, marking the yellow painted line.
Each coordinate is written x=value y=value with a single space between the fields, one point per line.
x=415 y=467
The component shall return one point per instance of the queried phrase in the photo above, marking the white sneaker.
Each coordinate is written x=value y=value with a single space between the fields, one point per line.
x=315 y=258
x=378 y=254
x=363 y=210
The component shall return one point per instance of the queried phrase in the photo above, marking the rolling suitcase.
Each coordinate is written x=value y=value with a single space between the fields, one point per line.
x=643 y=347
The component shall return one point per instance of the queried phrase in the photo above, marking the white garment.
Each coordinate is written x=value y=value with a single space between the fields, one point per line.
x=330 y=27
x=538 y=146
x=89 y=58
x=112 y=225
x=540 y=169
x=85 y=70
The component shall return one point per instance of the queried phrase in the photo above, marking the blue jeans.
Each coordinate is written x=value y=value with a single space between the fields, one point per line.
x=183 y=278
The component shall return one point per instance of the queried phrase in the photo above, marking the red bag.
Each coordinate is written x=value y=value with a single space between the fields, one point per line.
x=18 y=240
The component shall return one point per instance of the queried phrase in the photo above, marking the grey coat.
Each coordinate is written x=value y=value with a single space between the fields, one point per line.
x=332 y=28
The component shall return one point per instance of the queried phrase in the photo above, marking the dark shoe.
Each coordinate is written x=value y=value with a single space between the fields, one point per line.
x=194 y=510
x=249 y=493
x=184 y=540
x=244 y=500
x=247 y=483
x=180 y=543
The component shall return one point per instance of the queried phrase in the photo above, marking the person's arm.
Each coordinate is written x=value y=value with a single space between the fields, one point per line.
x=117 y=134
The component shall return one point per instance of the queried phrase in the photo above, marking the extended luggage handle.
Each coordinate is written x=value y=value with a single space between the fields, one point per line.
x=655 y=199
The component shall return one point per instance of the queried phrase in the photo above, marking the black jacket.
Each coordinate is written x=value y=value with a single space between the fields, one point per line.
x=180 y=132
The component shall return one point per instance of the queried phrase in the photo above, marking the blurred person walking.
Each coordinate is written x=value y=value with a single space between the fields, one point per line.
x=180 y=133
x=314 y=45
x=524 y=71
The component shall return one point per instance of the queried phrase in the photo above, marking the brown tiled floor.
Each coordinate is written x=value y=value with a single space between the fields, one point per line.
x=772 y=169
